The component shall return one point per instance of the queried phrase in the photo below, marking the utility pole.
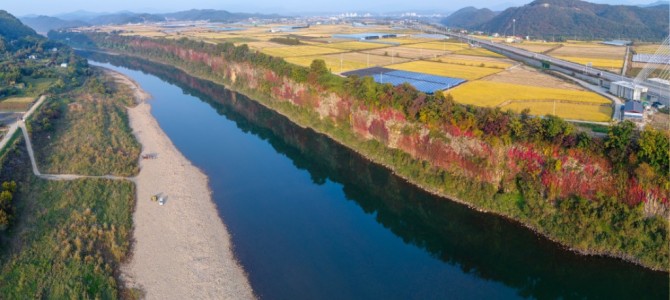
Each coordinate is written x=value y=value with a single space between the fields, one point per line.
x=514 y=27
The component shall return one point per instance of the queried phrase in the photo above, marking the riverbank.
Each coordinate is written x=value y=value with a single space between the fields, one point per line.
x=181 y=250
x=465 y=190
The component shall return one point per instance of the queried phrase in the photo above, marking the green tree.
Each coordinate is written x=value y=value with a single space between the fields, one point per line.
x=655 y=150
x=318 y=67
x=618 y=141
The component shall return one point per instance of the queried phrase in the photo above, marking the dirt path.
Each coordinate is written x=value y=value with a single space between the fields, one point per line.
x=181 y=250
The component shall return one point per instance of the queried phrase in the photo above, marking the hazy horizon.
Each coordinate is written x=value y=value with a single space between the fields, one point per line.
x=46 y=7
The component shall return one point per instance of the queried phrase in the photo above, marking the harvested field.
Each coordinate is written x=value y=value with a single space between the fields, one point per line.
x=491 y=94
x=478 y=52
x=448 y=70
x=16 y=103
x=527 y=76
x=263 y=45
x=601 y=56
x=537 y=47
x=488 y=62
x=292 y=51
x=570 y=111
x=349 y=61
x=354 y=45
x=405 y=41
x=406 y=52
x=442 y=46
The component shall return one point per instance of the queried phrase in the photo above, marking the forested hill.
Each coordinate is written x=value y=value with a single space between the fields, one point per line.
x=582 y=20
x=12 y=29
x=469 y=17
x=44 y=24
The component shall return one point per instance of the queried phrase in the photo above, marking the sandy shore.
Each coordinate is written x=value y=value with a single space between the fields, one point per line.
x=182 y=250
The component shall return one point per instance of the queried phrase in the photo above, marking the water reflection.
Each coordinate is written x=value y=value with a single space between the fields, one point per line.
x=488 y=247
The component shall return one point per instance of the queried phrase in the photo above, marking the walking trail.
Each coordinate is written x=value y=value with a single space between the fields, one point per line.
x=181 y=250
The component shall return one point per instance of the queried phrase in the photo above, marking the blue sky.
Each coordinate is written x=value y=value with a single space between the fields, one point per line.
x=51 y=7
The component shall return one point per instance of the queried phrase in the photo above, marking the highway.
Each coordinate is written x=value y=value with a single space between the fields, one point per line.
x=595 y=74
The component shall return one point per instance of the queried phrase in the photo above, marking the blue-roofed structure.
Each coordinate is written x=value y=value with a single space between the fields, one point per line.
x=423 y=82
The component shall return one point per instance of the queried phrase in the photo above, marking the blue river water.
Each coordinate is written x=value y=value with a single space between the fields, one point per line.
x=311 y=219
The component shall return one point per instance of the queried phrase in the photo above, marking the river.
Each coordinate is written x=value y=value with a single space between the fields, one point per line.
x=311 y=219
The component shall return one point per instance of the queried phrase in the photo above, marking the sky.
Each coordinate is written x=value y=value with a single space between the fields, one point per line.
x=52 y=7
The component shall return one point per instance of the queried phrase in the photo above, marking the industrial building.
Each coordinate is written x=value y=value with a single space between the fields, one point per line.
x=633 y=111
x=627 y=90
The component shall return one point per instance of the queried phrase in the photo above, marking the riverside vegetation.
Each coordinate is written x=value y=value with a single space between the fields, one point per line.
x=598 y=196
x=64 y=239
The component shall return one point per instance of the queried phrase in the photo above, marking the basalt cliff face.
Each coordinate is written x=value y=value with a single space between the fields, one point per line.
x=559 y=192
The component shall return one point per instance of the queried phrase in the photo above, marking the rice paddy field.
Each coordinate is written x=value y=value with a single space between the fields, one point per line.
x=354 y=45
x=476 y=61
x=601 y=56
x=407 y=52
x=344 y=62
x=443 y=69
x=570 y=104
x=647 y=48
x=442 y=46
x=537 y=47
x=493 y=80
x=292 y=51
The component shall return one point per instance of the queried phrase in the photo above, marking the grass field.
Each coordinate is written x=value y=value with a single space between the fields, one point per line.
x=72 y=237
x=354 y=45
x=87 y=133
x=16 y=103
x=292 y=51
x=570 y=111
x=443 y=69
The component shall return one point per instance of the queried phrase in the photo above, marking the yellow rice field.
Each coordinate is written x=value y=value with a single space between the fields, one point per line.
x=570 y=111
x=601 y=63
x=343 y=62
x=442 y=69
x=442 y=46
x=488 y=63
x=488 y=93
x=354 y=45
x=648 y=49
x=292 y=51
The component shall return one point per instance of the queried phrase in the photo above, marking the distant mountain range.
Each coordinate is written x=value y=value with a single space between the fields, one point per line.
x=43 y=24
x=569 y=18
